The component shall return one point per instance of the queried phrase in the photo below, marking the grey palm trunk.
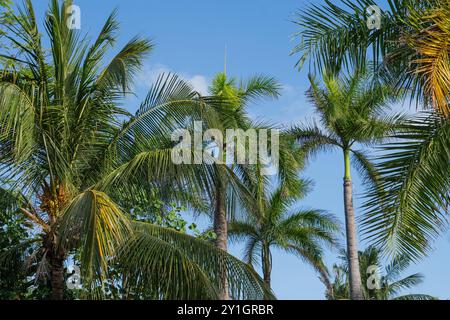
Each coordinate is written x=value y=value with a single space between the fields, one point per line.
x=266 y=264
x=351 y=232
x=221 y=231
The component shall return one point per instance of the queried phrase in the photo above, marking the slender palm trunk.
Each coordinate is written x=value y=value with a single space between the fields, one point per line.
x=266 y=264
x=352 y=242
x=221 y=231
x=57 y=276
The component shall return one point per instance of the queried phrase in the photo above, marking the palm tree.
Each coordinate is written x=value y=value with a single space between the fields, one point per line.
x=387 y=286
x=411 y=51
x=231 y=113
x=411 y=48
x=73 y=154
x=233 y=116
x=301 y=232
x=351 y=112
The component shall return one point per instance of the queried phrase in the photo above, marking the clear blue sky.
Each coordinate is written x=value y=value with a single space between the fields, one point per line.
x=190 y=38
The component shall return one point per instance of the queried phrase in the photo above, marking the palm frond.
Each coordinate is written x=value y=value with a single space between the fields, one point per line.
x=408 y=210
x=258 y=87
x=366 y=168
x=17 y=128
x=96 y=225
x=405 y=283
x=199 y=262
x=313 y=139
x=124 y=66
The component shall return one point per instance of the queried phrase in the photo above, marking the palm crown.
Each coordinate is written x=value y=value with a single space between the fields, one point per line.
x=389 y=283
x=410 y=52
x=276 y=225
x=410 y=49
x=351 y=112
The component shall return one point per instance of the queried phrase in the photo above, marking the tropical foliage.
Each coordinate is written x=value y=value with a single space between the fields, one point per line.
x=92 y=200
x=74 y=154
x=381 y=286
x=411 y=48
x=301 y=232
x=352 y=114
x=410 y=52
x=409 y=209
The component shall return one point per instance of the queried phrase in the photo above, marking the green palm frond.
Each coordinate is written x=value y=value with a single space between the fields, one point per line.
x=405 y=283
x=396 y=267
x=316 y=222
x=408 y=210
x=155 y=167
x=17 y=128
x=310 y=254
x=157 y=268
x=239 y=230
x=188 y=266
x=365 y=168
x=96 y=225
x=419 y=297
x=124 y=66
x=171 y=104
x=410 y=49
x=332 y=36
x=258 y=87
x=313 y=139
x=252 y=251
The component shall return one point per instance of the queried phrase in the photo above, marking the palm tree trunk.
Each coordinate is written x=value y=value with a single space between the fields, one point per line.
x=352 y=242
x=57 y=277
x=266 y=264
x=221 y=231
x=220 y=221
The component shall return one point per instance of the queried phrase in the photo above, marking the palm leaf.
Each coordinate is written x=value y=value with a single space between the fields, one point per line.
x=408 y=210
x=190 y=267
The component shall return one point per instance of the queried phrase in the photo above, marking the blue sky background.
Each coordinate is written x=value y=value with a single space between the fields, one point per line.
x=190 y=38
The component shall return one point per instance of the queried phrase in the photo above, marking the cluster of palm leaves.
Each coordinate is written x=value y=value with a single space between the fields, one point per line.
x=407 y=203
x=69 y=154
x=385 y=286
x=275 y=225
x=72 y=158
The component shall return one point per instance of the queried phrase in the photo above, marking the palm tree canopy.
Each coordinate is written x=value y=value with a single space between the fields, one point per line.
x=234 y=96
x=390 y=282
x=410 y=49
x=351 y=112
x=409 y=207
x=70 y=148
x=301 y=232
